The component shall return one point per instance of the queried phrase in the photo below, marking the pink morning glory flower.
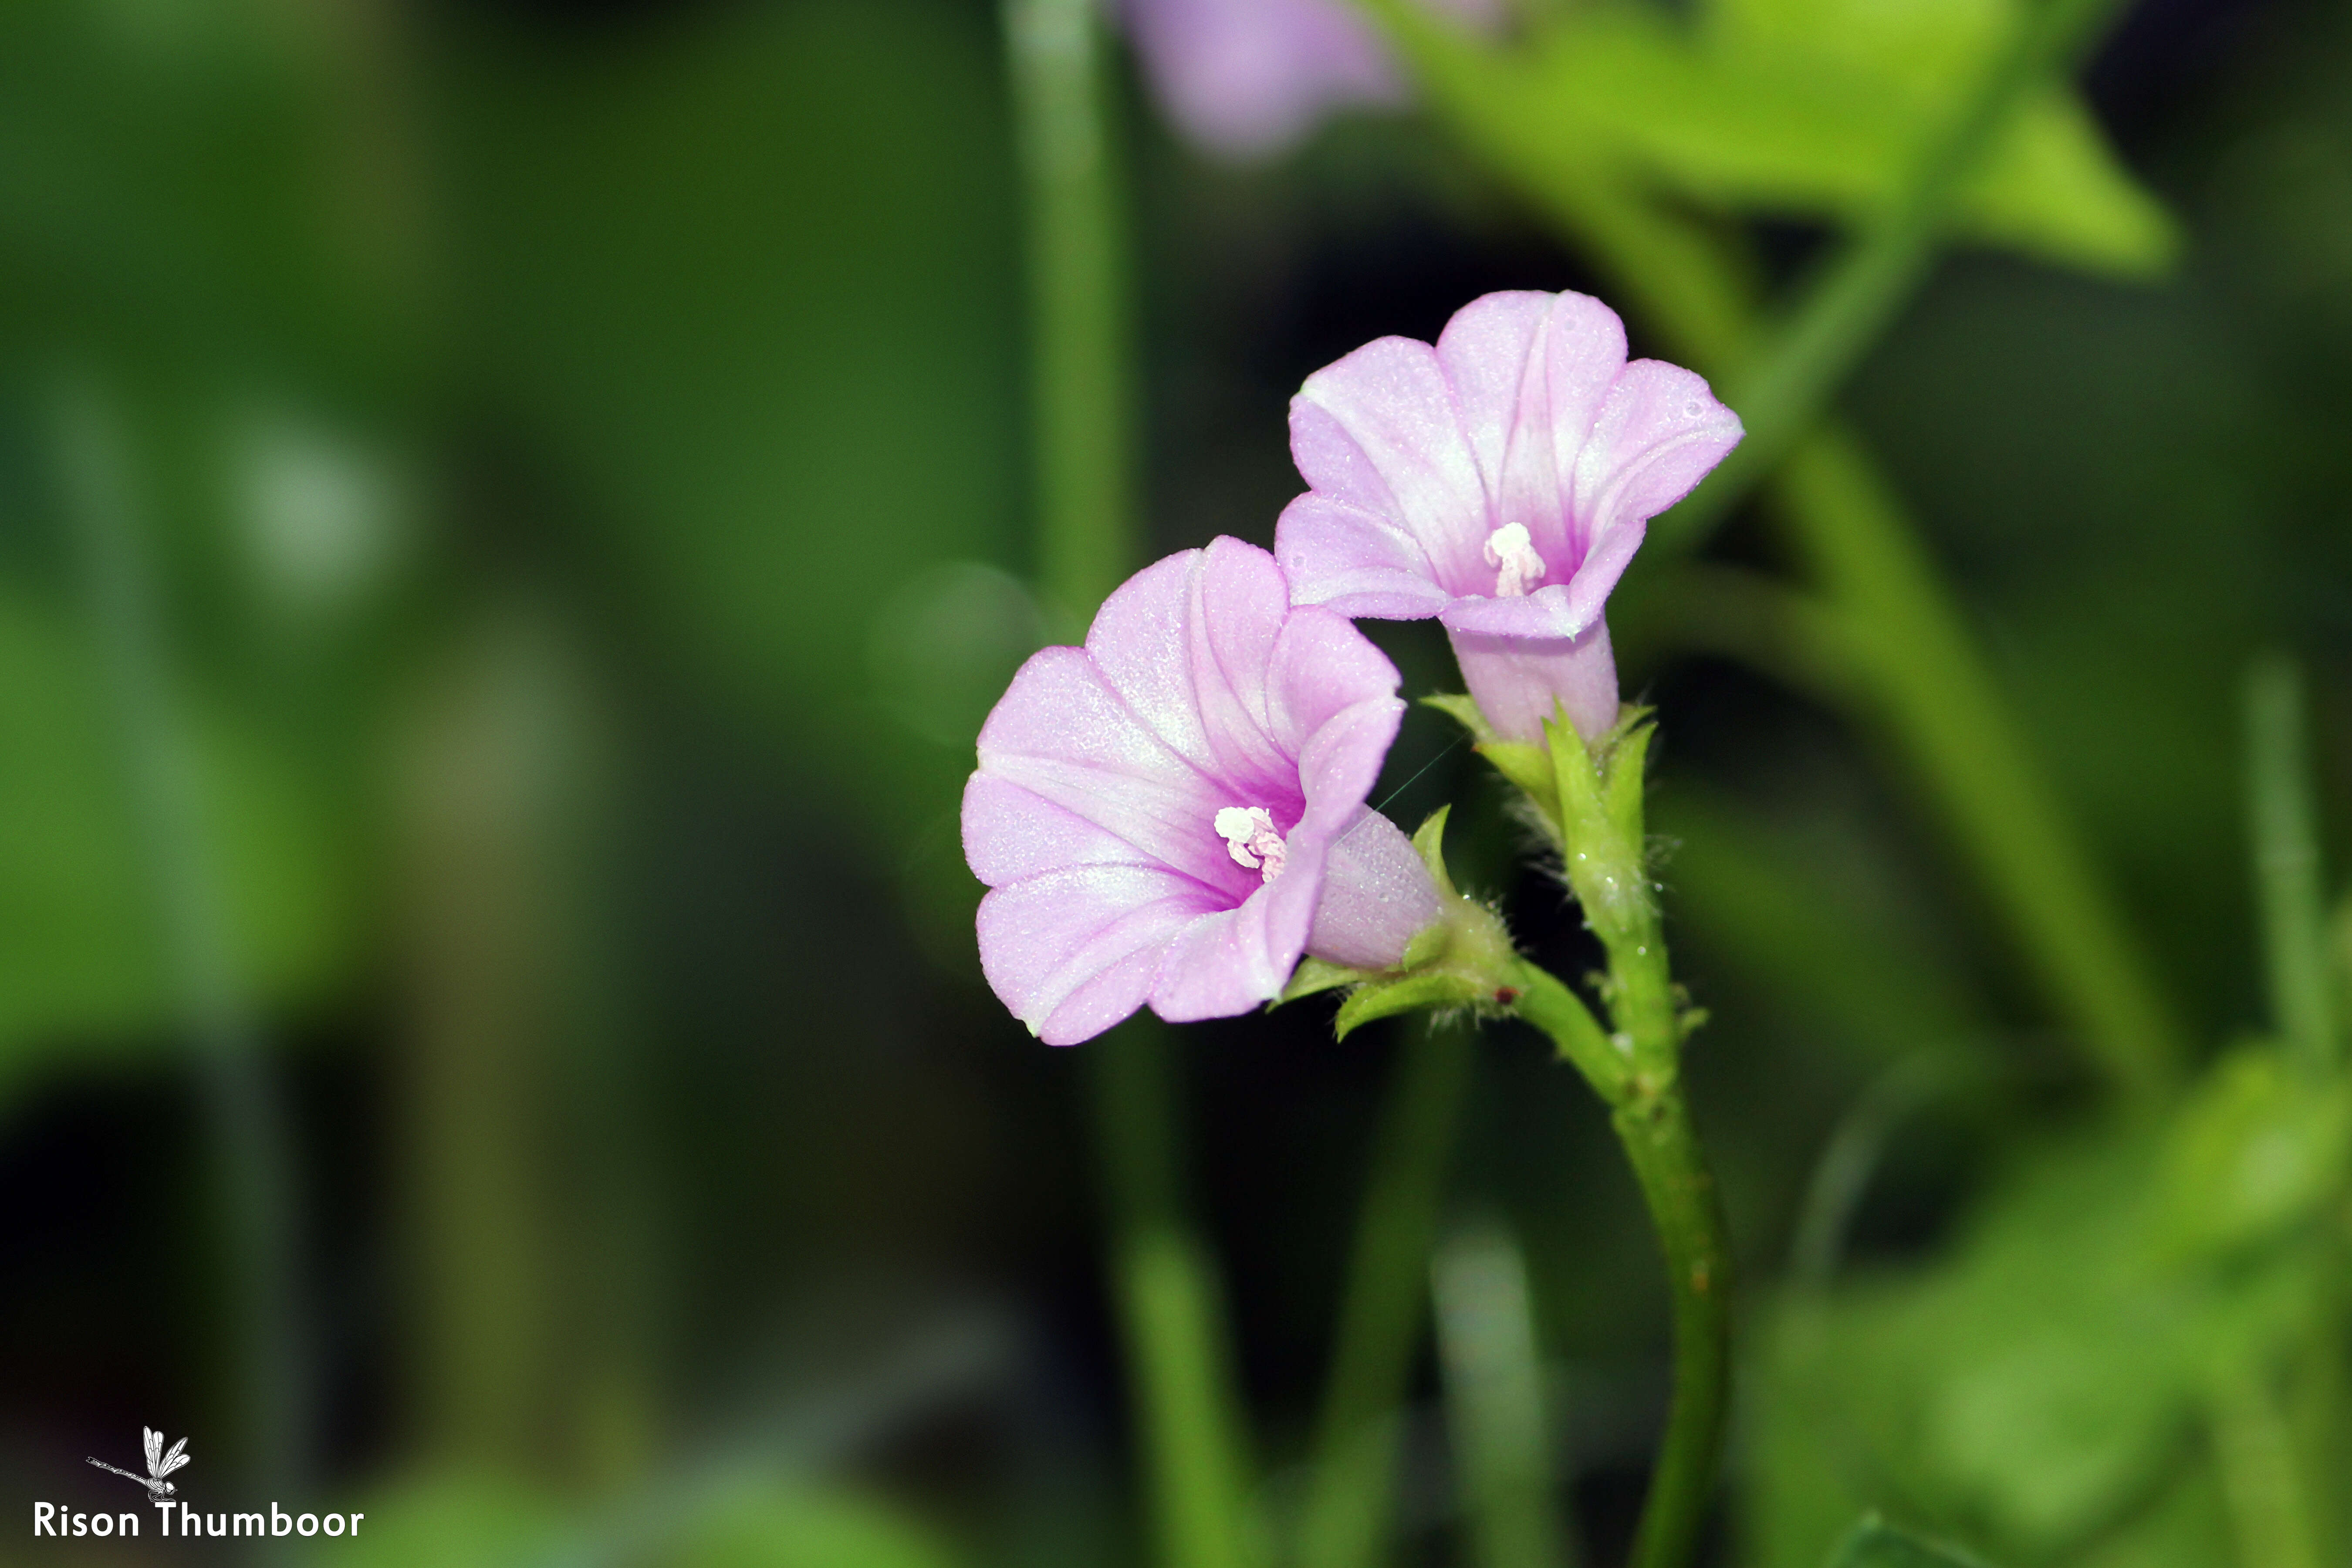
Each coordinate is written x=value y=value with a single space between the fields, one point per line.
x=1248 y=78
x=1500 y=482
x=1175 y=812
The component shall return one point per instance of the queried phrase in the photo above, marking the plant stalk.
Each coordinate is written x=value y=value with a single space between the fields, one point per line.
x=244 y=1115
x=1082 y=391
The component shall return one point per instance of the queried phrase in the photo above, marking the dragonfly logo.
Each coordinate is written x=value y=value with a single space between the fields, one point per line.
x=159 y=1463
x=54 y=1518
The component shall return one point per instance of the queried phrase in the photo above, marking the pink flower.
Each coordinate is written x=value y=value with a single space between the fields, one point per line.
x=1248 y=78
x=1175 y=812
x=1499 y=481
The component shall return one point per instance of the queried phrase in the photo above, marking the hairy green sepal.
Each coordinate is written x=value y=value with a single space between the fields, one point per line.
x=1461 y=960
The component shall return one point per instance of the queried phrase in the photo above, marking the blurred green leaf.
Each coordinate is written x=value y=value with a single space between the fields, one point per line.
x=80 y=962
x=2256 y=1150
x=1875 y=1543
x=1816 y=109
x=2035 y=1389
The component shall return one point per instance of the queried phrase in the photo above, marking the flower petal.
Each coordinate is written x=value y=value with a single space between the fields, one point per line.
x=1490 y=354
x=1338 y=767
x=1323 y=669
x=1516 y=681
x=1657 y=434
x=1229 y=962
x=1583 y=355
x=1548 y=612
x=1010 y=831
x=1246 y=78
x=1064 y=734
x=1377 y=896
x=1186 y=643
x=1379 y=429
x=1073 y=952
x=1341 y=556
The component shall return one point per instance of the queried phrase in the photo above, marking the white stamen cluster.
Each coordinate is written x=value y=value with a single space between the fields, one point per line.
x=1512 y=553
x=1251 y=840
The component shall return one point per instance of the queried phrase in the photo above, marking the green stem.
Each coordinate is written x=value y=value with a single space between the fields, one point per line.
x=1351 y=1499
x=2262 y=1478
x=244 y=1118
x=1655 y=1129
x=1495 y=1406
x=1082 y=380
x=1636 y=1069
x=1651 y=1121
x=2287 y=863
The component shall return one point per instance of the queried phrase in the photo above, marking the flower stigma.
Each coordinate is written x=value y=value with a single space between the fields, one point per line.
x=1512 y=553
x=1251 y=840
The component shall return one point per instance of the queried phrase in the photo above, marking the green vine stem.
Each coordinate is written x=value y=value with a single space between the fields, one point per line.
x=1651 y=1121
x=1590 y=801
x=1081 y=374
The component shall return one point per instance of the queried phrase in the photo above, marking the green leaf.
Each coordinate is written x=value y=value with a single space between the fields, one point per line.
x=1875 y=1543
x=2258 y=1149
x=2041 y=1383
x=1429 y=843
x=1809 y=107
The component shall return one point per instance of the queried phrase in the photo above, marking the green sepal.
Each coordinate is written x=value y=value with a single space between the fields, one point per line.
x=1463 y=711
x=1529 y=767
x=1409 y=992
x=1314 y=975
x=1429 y=843
x=1626 y=753
x=1603 y=859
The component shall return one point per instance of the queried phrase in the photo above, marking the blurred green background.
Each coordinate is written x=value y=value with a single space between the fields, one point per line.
x=512 y=512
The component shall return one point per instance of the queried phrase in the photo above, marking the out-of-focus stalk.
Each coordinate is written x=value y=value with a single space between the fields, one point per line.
x=1789 y=387
x=244 y=1115
x=1494 y=1401
x=1081 y=372
x=1083 y=395
x=1350 y=1496
x=2287 y=864
x=1172 y=1311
